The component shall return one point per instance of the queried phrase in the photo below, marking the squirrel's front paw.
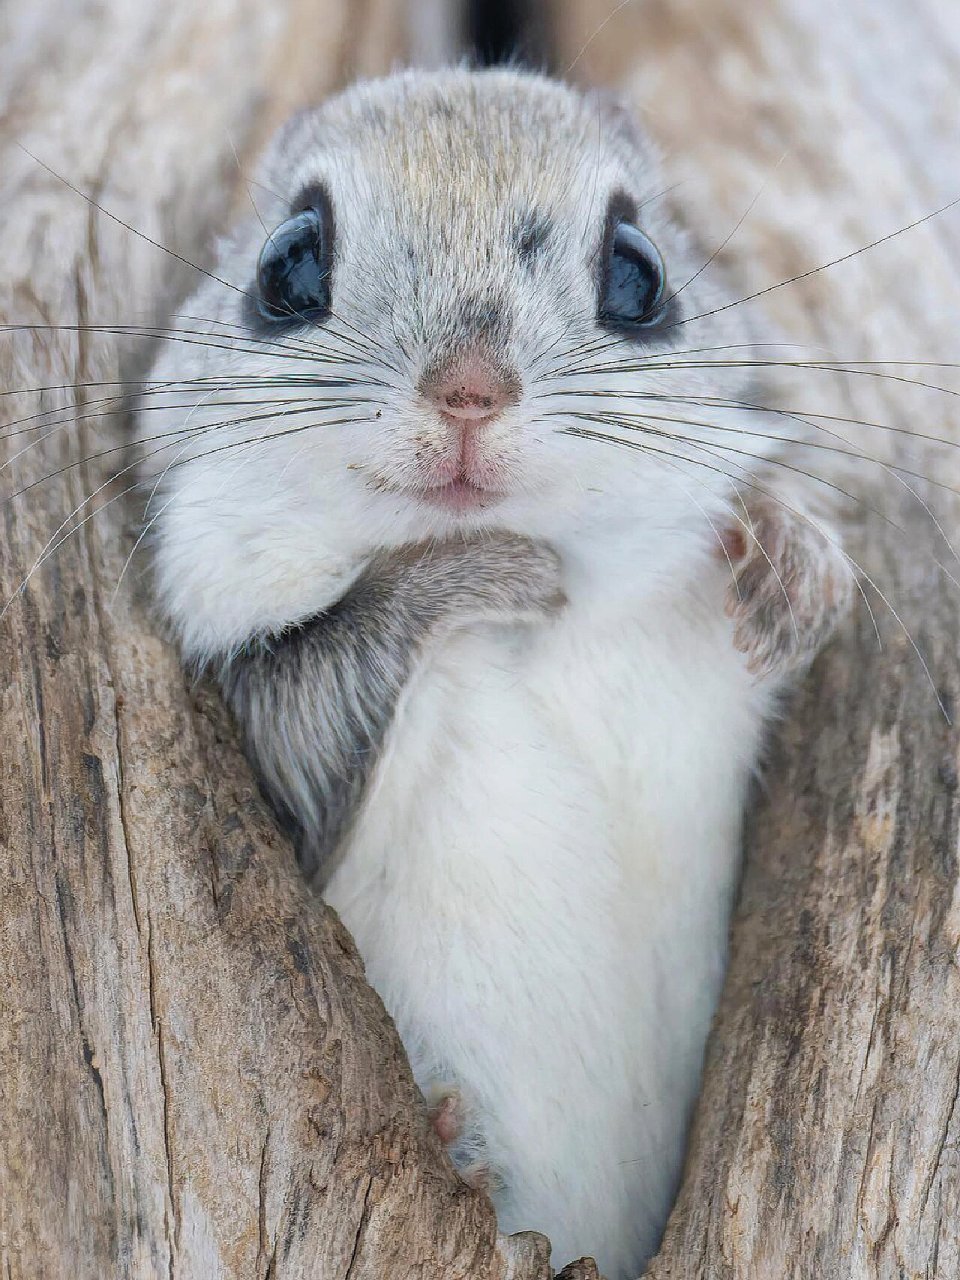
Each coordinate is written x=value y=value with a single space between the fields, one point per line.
x=446 y=1113
x=448 y=1116
x=516 y=575
x=499 y=575
x=791 y=585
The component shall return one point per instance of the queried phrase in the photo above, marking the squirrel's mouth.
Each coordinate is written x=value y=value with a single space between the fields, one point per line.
x=459 y=494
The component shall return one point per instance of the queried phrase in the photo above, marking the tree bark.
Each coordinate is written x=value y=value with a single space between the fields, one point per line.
x=196 y=1081
x=827 y=1141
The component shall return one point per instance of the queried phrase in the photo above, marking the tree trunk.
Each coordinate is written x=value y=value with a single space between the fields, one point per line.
x=196 y=1082
x=827 y=1141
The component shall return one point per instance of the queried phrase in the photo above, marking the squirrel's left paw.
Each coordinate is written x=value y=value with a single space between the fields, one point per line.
x=447 y=1113
x=791 y=585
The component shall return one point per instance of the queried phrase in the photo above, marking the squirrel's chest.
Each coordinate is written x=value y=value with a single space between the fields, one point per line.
x=547 y=859
x=571 y=764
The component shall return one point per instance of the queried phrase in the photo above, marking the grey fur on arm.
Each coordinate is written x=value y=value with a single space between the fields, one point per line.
x=315 y=703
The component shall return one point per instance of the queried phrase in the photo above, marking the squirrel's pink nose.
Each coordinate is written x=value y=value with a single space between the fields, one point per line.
x=471 y=389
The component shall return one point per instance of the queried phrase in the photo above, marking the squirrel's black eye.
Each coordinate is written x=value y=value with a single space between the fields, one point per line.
x=634 y=279
x=293 y=272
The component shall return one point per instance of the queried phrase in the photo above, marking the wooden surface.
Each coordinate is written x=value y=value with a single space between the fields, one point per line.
x=827 y=1143
x=196 y=1082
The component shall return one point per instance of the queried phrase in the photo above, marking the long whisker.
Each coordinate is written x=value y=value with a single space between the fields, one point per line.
x=292 y=341
x=53 y=545
x=894 y=469
x=817 y=366
x=723 y=243
x=158 y=333
x=126 y=225
x=154 y=386
x=178 y=433
x=625 y=419
x=801 y=415
x=805 y=275
x=274 y=435
x=652 y=359
x=210 y=275
x=656 y=361
x=712 y=447
x=370 y=348
x=752 y=484
x=62 y=418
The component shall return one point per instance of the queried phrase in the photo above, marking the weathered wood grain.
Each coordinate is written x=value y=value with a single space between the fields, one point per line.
x=827 y=1142
x=196 y=1081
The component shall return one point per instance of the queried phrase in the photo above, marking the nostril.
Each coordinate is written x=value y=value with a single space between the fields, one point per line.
x=470 y=399
x=473 y=389
x=465 y=398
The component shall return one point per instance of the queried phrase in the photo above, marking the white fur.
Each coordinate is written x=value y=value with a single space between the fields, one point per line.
x=540 y=886
x=541 y=876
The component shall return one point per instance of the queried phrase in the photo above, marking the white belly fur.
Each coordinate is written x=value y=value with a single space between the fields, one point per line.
x=540 y=884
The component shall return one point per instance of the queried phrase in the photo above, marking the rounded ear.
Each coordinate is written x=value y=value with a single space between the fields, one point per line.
x=618 y=118
x=297 y=137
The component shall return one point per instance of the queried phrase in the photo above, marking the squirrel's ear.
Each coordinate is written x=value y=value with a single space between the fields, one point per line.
x=618 y=119
x=300 y=136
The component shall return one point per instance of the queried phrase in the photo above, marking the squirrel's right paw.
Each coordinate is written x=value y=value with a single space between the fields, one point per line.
x=515 y=574
x=496 y=575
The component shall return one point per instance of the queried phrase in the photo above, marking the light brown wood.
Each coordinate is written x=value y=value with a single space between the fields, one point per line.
x=196 y=1082
x=827 y=1142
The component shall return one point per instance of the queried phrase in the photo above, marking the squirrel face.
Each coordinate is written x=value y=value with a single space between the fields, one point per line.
x=462 y=304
